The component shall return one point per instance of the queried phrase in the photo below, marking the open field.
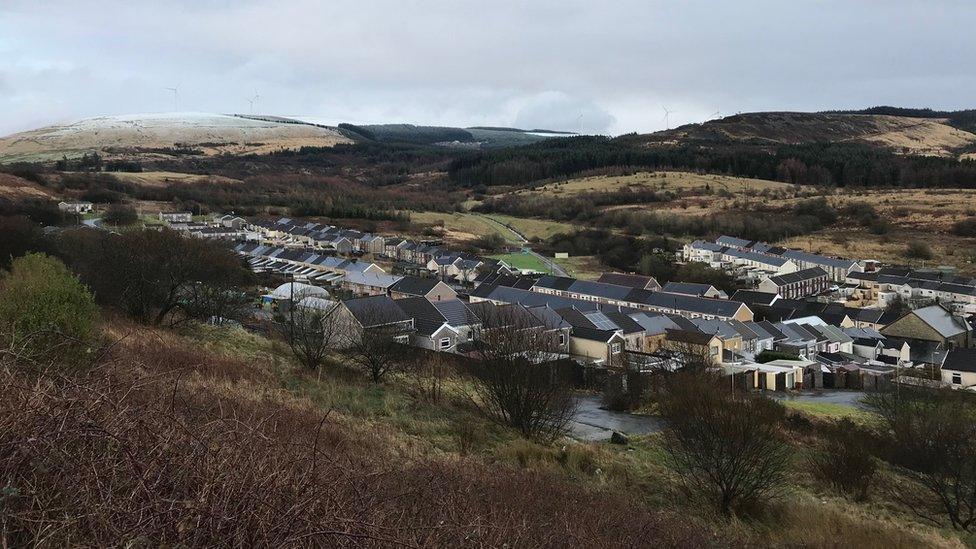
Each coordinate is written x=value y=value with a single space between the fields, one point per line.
x=533 y=228
x=462 y=226
x=163 y=179
x=523 y=261
x=585 y=267
x=665 y=181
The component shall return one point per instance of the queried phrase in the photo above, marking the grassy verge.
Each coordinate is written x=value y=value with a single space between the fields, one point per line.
x=523 y=261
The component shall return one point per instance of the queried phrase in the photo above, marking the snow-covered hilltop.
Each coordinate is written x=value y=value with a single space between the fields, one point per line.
x=155 y=133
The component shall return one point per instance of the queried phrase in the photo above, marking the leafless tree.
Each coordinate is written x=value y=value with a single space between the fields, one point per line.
x=314 y=332
x=726 y=451
x=378 y=345
x=427 y=374
x=931 y=438
x=518 y=381
x=689 y=356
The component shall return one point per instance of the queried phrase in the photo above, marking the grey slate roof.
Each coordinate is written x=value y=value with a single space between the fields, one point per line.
x=798 y=276
x=413 y=285
x=376 y=310
x=687 y=288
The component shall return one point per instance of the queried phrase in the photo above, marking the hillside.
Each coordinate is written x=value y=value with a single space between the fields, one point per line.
x=900 y=134
x=164 y=134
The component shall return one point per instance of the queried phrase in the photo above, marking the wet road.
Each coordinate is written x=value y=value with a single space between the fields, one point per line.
x=593 y=423
x=843 y=398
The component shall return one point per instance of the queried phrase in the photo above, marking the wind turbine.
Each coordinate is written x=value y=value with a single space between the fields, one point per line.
x=667 y=118
x=176 y=97
x=252 y=100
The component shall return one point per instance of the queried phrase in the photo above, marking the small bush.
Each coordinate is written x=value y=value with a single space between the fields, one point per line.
x=966 y=227
x=917 y=249
x=45 y=312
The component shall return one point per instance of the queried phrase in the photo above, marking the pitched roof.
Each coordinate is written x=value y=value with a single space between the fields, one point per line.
x=941 y=320
x=798 y=276
x=378 y=280
x=701 y=305
x=960 y=360
x=630 y=280
x=456 y=312
x=555 y=282
x=376 y=310
x=834 y=262
x=755 y=297
x=689 y=336
x=687 y=288
x=413 y=285
x=426 y=318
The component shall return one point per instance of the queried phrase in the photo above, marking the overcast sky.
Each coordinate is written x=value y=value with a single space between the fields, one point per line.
x=607 y=67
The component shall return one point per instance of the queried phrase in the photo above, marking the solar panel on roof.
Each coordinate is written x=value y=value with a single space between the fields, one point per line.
x=600 y=320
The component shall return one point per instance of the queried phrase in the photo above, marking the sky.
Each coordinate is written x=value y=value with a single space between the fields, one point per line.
x=598 y=67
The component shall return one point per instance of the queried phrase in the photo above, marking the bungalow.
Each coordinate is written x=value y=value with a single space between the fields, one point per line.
x=440 y=326
x=75 y=206
x=372 y=313
x=430 y=288
x=959 y=368
x=799 y=284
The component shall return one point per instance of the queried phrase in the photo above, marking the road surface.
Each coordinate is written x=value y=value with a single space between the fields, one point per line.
x=594 y=423
x=553 y=267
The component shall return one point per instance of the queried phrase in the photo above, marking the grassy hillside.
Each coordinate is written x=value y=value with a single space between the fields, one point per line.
x=219 y=429
x=902 y=134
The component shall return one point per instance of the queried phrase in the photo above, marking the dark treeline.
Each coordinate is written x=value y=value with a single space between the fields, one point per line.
x=373 y=163
x=839 y=164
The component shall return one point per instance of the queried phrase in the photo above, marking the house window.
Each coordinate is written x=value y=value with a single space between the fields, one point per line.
x=402 y=339
x=615 y=348
x=562 y=339
x=445 y=343
x=957 y=379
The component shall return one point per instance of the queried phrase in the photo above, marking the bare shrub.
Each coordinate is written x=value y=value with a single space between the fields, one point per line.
x=726 y=451
x=314 y=331
x=427 y=373
x=517 y=380
x=846 y=461
x=931 y=438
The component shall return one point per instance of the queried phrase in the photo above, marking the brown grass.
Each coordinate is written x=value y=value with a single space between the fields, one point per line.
x=156 y=446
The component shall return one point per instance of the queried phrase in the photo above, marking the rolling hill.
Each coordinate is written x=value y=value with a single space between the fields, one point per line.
x=916 y=135
x=165 y=134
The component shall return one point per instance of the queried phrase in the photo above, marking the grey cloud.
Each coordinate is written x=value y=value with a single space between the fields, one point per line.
x=471 y=63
